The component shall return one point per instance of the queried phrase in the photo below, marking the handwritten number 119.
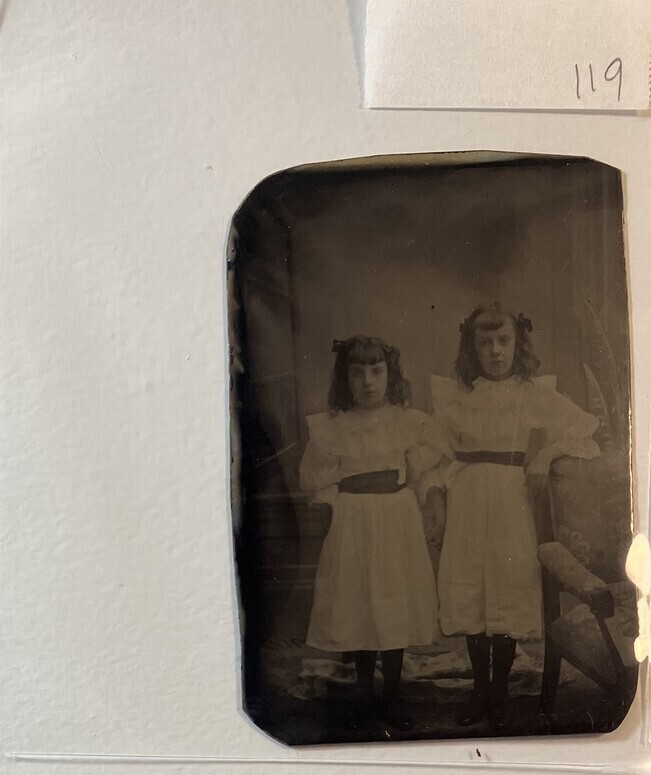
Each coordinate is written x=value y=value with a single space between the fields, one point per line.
x=612 y=73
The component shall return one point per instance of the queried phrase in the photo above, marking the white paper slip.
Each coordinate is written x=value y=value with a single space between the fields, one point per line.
x=528 y=54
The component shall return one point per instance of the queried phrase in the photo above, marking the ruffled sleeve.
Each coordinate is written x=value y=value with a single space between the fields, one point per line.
x=445 y=390
x=319 y=469
x=566 y=427
x=432 y=457
x=430 y=446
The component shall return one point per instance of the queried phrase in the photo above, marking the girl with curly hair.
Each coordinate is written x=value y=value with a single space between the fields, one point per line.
x=489 y=577
x=375 y=588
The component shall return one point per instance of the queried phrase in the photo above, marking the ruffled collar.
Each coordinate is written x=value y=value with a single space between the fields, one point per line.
x=463 y=409
x=368 y=418
x=486 y=381
x=359 y=432
x=497 y=388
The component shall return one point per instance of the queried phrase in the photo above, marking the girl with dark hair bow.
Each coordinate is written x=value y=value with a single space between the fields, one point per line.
x=489 y=577
x=375 y=588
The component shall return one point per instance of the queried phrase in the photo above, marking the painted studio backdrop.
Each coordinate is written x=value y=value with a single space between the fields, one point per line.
x=404 y=248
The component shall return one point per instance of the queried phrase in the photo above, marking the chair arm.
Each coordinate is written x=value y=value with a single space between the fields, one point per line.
x=571 y=576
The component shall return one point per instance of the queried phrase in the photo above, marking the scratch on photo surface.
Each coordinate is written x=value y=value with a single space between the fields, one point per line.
x=99 y=153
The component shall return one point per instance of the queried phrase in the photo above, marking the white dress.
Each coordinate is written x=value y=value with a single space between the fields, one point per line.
x=374 y=588
x=489 y=575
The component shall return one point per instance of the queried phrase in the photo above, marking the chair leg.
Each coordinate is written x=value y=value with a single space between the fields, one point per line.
x=550 y=678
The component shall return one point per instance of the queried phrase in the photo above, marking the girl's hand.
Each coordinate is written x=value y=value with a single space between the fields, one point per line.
x=414 y=459
x=537 y=485
x=434 y=517
x=323 y=511
x=435 y=537
x=538 y=475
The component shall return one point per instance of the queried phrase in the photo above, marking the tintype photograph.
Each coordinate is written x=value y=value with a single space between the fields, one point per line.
x=431 y=449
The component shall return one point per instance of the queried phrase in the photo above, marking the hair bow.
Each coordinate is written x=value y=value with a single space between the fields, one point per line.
x=525 y=323
x=338 y=345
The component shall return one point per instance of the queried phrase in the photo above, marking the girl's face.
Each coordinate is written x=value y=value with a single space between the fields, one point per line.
x=495 y=349
x=368 y=384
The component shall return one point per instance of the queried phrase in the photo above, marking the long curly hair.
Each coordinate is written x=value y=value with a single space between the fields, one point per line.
x=366 y=350
x=525 y=362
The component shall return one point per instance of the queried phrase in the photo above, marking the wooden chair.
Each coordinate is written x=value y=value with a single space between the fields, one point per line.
x=590 y=616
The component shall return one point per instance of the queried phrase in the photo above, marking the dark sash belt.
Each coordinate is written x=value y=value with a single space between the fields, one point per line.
x=499 y=458
x=372 y=483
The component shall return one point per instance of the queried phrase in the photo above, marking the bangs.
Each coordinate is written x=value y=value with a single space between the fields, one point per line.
x=366 y=354
x=492 y=320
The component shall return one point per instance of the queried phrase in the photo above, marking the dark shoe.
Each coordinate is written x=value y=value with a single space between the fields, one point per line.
x=476 y=709
x=390 y=712
x=358 y=714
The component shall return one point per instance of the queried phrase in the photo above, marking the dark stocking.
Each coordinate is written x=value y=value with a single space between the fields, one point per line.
x=365 y=667
x=503 y=654
x=479 y=651
x=391 y=671
x=359 y=709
